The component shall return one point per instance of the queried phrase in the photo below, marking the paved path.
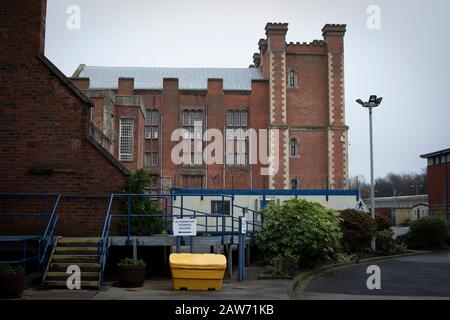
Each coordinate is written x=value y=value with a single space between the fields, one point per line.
x=412 y=277
x=161 y=289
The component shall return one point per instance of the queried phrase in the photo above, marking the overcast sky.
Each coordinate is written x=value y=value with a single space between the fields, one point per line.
x=405 y=61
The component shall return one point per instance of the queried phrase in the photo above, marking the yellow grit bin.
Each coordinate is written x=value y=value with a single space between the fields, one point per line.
x=197 y=272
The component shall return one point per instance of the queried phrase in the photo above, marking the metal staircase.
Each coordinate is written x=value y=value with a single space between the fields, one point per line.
x=81 y=252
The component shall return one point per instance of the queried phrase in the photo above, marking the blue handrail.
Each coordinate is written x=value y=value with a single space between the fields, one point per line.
x=49 y=232
x=103 y=243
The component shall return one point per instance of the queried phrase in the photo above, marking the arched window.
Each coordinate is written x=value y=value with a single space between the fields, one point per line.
x=237 y=118
x=230 y=121
x=292 y=77
x=293 y=146
x=193 y=117
x=244 y=118
x=186 y=119
x=294 y=184
x=155 y=118
x=200 y=116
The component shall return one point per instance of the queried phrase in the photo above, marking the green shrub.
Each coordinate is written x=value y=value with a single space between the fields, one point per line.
x=141 y=226
x=131 y=262
x=428 y=233
x=358 y=229
x=10 y=269
x=343 y=257
x=386 y=244
x=383 y=222
x=299 y=234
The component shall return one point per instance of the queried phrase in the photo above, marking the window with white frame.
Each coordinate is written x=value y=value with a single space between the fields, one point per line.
x=151 y=158
x=192 y=120
x=236 y=135
x=126 y=139
x=151 y=124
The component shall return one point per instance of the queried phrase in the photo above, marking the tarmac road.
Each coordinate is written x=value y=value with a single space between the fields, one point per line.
x=424 y=276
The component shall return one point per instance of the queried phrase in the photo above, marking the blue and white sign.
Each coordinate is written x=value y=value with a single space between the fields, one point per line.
x=184 y=227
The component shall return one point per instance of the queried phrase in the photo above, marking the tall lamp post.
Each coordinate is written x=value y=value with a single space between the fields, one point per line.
x=373 y=102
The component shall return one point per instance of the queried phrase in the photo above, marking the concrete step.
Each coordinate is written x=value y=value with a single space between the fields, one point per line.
x=65 y=265
x=59 y=274
x=63 y=284
x=75 y=258
x=88 y=250
x=78 y=240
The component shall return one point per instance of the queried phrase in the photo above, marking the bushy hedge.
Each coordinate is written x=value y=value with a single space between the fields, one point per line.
x=428 y=233
x=383 y=222
x=386 y=244
x=299 y=233
x=358 y=229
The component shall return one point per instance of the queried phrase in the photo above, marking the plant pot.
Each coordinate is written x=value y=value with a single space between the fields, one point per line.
x=12 y=285
x=131 y=276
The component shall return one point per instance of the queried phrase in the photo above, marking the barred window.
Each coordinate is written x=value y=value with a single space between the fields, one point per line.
x=230 y=121
x=148 y=132
x=189 y=119
x=185 y=118
x=148 y=117
x=237 y=118
x=151 y=124
x=155 y=159
x=155 y=117
x=154 y=132
x=126 y=139
x=244 y=116
x=200 y=116
x=151 y=159
x=147 y=158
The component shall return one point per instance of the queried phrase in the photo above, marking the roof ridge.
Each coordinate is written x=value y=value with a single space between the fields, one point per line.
x=174 y=68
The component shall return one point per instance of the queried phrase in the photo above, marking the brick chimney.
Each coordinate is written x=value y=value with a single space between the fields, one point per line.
x=333 y=35
x=22 y=27
x=276 y=47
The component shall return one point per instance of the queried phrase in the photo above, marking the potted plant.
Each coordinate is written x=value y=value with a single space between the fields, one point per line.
x=12 y=281
x=131 y=272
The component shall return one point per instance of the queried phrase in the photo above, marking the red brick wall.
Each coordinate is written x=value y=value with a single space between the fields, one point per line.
x=44 y=122
x=312 y=112
x=436 y=186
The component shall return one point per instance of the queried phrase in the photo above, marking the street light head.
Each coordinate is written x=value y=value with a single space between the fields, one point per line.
x=360 y=102
x=373 y=99
x=379 y=100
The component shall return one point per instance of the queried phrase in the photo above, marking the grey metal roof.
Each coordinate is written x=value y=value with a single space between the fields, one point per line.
x=188 y=78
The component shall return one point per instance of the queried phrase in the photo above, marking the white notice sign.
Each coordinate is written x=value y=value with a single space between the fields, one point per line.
x=244 y=226
x=184 y=227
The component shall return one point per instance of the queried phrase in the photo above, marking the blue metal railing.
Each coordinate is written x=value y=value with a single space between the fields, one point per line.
x=48 y=238
x=229 y=222
x=45 y=240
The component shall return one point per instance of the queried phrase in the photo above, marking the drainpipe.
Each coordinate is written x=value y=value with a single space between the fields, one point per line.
x=160 y=152
x=446 y=186
x=205 y=143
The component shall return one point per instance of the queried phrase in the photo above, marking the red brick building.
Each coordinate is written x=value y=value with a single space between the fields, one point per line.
x=45 y=127
x=438 y=180
x=297 y=88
